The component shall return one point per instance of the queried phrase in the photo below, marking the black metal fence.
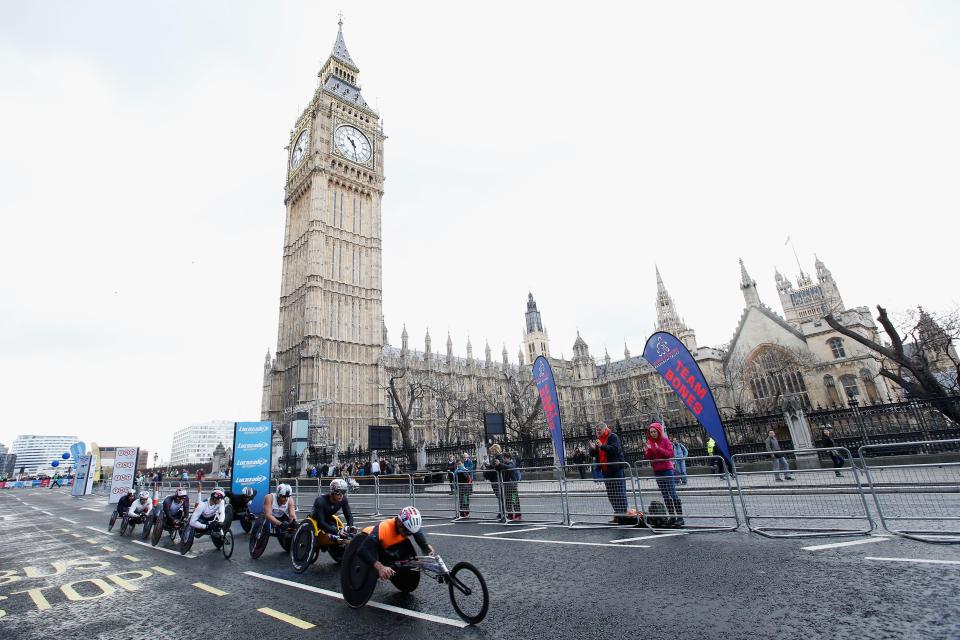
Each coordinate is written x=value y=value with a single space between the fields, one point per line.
x=852 y=427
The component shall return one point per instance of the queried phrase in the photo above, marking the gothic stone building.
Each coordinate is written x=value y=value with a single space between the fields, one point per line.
x=333 y=360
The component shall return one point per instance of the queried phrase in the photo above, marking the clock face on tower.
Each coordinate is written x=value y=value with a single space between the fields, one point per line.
x=352 y=144
x=300 y=149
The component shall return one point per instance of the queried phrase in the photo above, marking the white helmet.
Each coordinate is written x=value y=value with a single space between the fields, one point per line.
x=181 y=493
x=284 y=490
x=247 y=491
x=130 y=491
x=144 y=495
x=217 y=493
x=338 y=485
x=410 y=517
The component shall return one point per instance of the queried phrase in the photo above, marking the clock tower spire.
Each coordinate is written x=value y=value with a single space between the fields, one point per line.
x=330 y=334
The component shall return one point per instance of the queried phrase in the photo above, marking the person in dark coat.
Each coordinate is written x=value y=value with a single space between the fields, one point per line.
x=609 y=454
x=828 y=443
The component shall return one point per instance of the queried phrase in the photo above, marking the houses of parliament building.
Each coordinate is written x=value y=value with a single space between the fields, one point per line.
x=333 y=358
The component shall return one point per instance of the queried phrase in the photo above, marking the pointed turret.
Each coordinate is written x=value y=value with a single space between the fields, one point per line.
x=340 y=49
x=386 y=340
x=667 y=317
x=520 y=357
x=506 y=356
x=266 y=361
x=427 y=343
x=626 y=352
x=606 y=358
x=749 y=287
x=536 y=342
x=487 y=355
x=403 y=340
x=469 y=350
x=338 y=75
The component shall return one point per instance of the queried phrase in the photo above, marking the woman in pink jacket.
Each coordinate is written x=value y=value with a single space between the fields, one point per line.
x=659 y=451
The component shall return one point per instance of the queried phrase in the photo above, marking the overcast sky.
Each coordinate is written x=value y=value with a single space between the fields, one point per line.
x=558 y=151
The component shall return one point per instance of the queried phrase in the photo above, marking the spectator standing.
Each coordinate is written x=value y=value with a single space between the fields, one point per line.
x=659 y=451
x=511 y=493
x=491 y=473
x=464 y=478
x=780 y=462
x=199 y=475
x=609 y=455
x=580 y=459
x=680 y=452
x=451 y=469
x=828 y=443
x=468 y=463
x=374 y=467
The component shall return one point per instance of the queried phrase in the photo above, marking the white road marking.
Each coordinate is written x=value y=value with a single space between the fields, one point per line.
x=658 y=535
x=503 y=533
x=68 y=520
x=47 y=513
x=106 y=533
x=90 y=509
x=917 y=560
x=851 y=543
x=176 y=553
x=585 y=544
x=376 y=605
x=447 y=524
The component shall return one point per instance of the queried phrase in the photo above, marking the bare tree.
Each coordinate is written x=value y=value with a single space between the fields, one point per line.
x=523 y=405
x=406 y=389
x=452 y=404
x=921 y=357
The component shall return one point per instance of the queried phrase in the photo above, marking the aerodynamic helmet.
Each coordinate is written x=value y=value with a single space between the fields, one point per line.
x=338 y=485
x=411 y=519
x=284 y=490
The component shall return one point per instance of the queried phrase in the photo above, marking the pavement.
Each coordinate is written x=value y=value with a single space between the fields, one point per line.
x=61 y=572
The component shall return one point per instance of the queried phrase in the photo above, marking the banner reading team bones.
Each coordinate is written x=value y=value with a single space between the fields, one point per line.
x=124 y=468
x=547 y=387
x=672 y=361
x=252 y=444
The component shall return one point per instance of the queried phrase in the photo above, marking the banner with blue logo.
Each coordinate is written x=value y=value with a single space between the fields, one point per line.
x=547 y=388
x=672 y=361
x=83 y=484
x=252 y=444
x=77 y=450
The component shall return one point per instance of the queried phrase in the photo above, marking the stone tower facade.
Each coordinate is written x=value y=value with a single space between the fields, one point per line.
x=536 y=342
x=669 y=320
x=330 y=333
x=809 y=300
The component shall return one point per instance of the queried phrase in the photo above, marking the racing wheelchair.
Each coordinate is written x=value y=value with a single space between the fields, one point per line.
x=263 y=530
x=309 y=540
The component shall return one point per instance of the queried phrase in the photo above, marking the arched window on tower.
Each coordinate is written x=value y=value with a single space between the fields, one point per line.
x=870 y=385
x=770 y=373
x=836 y=346
x=833 y=396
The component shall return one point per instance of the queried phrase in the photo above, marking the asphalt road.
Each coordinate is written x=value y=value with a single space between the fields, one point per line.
x=61 y=572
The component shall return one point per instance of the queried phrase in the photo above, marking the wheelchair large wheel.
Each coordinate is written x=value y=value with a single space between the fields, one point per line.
x=357 y=579
x=228 y=516
x=157 y=532
x=406 y=580
x=124 y=524
x=246 y=522
x=186 y=540
x=113 y=521
x=147 y=527
x=336 y=552
x=216 y=537
x=259 y=537
x=302 y=552
x=286 y=540
x=468 y=592
x=227 y=546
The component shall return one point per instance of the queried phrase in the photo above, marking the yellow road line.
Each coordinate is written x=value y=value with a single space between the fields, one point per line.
x=165 y=572
x=131 y=558
x=297 y=622
x=106 y=548
x=75 y=535
x=92 y=541
x=209 y=589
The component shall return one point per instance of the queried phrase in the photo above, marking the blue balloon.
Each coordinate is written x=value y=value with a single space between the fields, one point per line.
x=55 y=463
x=65 y=456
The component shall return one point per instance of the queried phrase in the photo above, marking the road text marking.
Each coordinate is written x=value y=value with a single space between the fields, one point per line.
x=917 y=560
x=165 y=572
x=106 y=548
x=503 y=533
x=376 y=605
x=131 y=558
x=851 y=543
x=297 y=622
x=209 y=589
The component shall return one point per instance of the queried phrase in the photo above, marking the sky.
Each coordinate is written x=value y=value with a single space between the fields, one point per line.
x=562 y=151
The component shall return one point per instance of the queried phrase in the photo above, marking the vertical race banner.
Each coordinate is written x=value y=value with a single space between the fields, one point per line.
x=547 y=388
x=83 y=482
x=124 y=469
x=672 y=361
x=252 y=444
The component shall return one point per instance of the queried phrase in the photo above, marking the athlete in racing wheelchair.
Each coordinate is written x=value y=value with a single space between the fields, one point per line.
x=238 y=508
x=170 y=516
x=208 y=518
x=323 y=530
x=137 y=513
x=279 y=520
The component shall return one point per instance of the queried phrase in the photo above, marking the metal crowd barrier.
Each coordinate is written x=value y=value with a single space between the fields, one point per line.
x=532 y=499
x=704 y=501
x=482 y=498
x=797 y=505
x=599 y=501
x=394 y=492
x=916 y=501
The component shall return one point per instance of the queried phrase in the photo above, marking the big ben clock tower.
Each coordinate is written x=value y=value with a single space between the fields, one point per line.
x=330 y=333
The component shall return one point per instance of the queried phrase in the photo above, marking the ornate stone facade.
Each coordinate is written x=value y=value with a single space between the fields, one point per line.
x=333 y=360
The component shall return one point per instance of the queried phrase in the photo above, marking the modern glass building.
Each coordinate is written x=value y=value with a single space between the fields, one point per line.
x=195 y=444
x=35 y=453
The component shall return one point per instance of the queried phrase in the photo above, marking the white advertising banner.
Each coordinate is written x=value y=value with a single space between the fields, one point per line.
x=83 y=482
x=124 y=469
